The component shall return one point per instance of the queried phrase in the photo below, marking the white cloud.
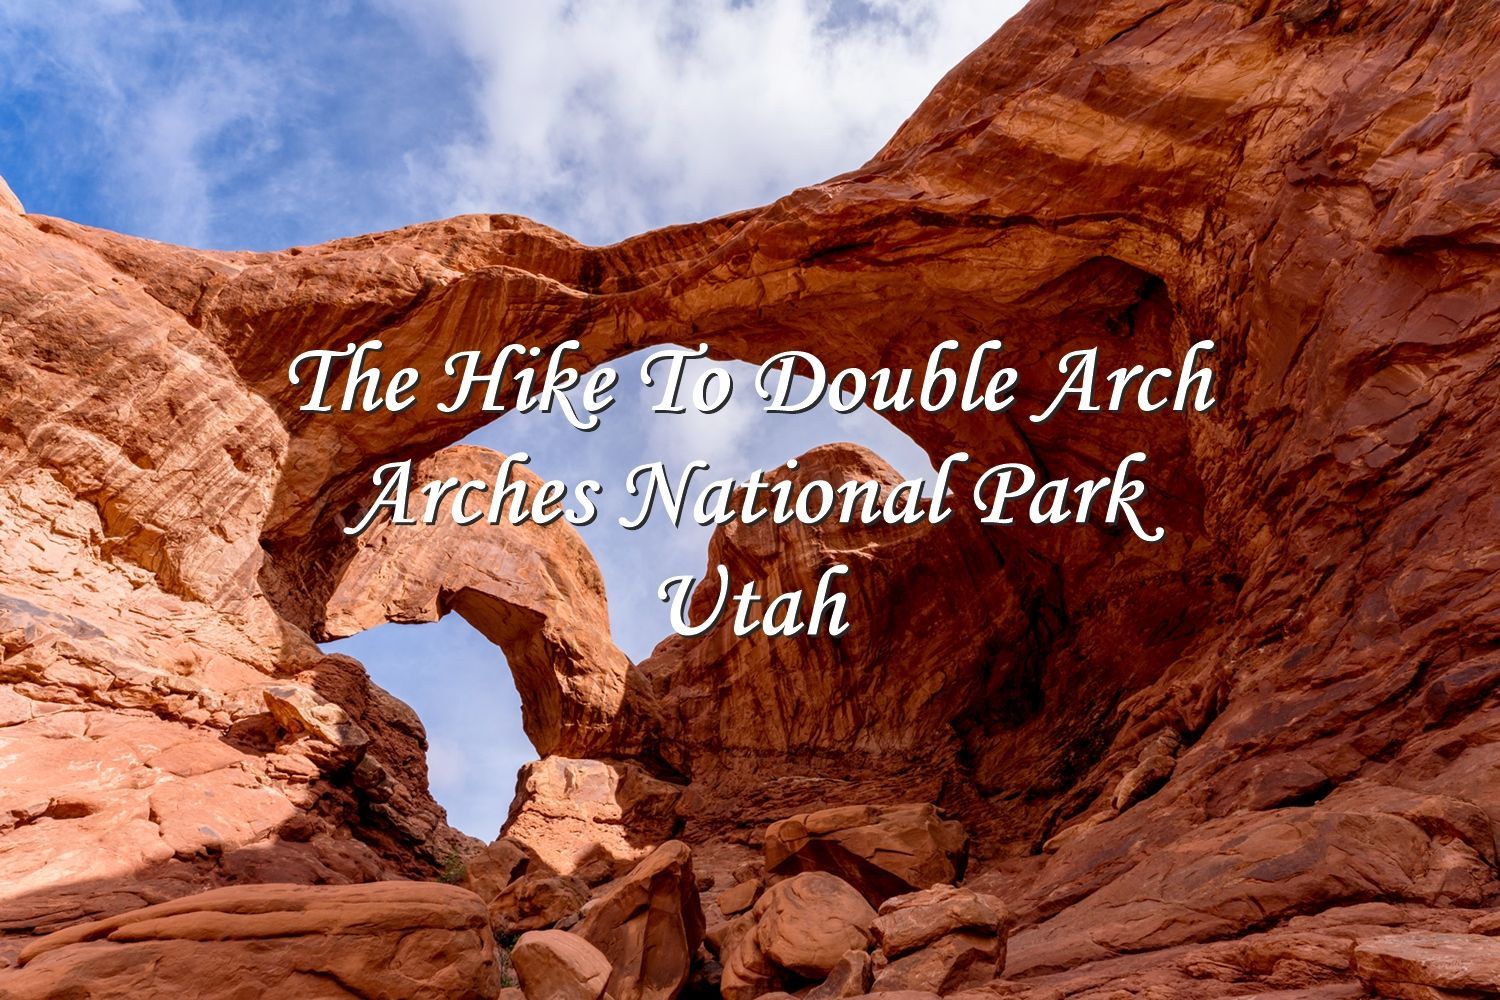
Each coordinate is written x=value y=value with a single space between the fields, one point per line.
x=447 y=766
x=159 y=92
x=717 y=438
x=607 y=117
x=167 y=163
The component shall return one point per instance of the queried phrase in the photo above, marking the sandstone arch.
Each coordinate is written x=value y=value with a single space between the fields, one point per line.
x=1310 y=183
x=533 y=591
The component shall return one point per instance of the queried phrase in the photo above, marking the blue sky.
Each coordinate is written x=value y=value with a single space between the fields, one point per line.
x=265 y=125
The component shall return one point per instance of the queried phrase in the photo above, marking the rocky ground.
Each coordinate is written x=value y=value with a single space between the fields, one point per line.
x=1260 y=758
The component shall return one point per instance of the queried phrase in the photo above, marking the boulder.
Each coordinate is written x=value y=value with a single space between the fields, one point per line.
x=300 y=710
x=941 y=940
x=1428 y=965
x=521 y=893
x=738 y=898
x=1153 y=767
x=649 y=926
x=882 y=851
x=917 y=919
x=533 y=902
x=418 y=940
x=850 y=977
x=807 y=923
x=797 y=933
x=556 y=965
x=746 y=972
x=1486 y=923
x=487 y=873
x=951 y=963
x=579 y=815
x=715 y=936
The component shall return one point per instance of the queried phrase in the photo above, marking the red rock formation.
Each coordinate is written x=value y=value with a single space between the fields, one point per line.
x=556 y=965
x=649 y=925
x=1435 y=965
x=1309 y=183
x=882 y=852
x=534 y=591
x=389 y=939
x=796 y=935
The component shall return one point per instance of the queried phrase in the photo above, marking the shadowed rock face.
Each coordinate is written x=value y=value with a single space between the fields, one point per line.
x=1312 y=185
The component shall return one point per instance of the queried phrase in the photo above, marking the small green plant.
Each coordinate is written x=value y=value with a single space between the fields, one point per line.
x=453 y=869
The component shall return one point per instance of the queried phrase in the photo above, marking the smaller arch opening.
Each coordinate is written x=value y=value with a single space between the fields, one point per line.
x=459 y=684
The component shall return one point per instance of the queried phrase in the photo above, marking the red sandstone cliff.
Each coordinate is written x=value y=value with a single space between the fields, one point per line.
x=1208 y=766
